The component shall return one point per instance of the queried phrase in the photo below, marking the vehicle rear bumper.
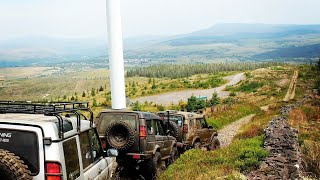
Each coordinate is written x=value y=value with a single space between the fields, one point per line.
x=138 y=156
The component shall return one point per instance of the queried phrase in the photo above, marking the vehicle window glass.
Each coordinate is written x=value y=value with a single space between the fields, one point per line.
x=174 y=118
x=85 y=149
x=198 y=123
x=191 y=124
x=95 y=145
x=203 y=123
x=71 y=158
x=158 y=127
x=108 y=118
x=150 y=129
x=161 y=127
x=23 y=144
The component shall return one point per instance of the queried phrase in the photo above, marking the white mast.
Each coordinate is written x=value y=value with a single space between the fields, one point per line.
x=116 y=63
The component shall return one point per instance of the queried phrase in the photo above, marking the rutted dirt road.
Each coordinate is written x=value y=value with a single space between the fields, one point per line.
x=292 y=87
x=175 y=97
x=226 y=134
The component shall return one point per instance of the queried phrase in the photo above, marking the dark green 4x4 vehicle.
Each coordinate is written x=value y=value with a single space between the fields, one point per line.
x=140 y=137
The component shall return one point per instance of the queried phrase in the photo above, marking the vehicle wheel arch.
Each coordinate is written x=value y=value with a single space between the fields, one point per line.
x=156 y=149
x=196 y=139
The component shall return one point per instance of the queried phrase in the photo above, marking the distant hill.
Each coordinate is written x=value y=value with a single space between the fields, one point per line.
x=308 y=51
x=221 y=42
x=224 y=33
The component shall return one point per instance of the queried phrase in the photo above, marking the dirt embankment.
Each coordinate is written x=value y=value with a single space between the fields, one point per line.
x=175 y=97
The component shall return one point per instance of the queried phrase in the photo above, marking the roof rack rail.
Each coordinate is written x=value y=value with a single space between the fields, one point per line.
x=49 y=109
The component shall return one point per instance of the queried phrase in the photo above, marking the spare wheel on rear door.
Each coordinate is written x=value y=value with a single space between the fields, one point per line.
x=12 y=168
x=120 y=135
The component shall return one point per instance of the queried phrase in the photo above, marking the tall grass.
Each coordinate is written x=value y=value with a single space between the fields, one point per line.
x=311 y=157
x=242 y=155
x=219 y=119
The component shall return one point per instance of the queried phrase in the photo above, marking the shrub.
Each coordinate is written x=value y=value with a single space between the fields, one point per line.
x=160 y=107
x=232 y=94
x=250 y=87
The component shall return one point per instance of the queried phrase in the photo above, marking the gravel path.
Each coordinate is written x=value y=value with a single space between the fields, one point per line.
x=175 y=97
x=226 y=134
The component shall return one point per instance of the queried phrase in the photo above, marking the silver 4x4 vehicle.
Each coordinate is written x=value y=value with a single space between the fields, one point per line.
x=52 y=142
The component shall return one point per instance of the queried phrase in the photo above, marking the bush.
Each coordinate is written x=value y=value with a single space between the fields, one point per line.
x=250 y=87
x=160 y=107
x=232 y=94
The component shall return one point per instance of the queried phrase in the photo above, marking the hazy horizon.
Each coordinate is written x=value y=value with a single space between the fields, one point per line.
x=87 y=18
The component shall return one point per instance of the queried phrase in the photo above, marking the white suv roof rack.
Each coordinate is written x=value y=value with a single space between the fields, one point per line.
x=49 y=109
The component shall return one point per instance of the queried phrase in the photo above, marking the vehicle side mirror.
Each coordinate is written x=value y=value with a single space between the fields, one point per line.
x=112 y=153
x=210 y=127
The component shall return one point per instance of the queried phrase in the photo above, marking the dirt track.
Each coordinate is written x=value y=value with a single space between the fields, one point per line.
x=175 y=97
x=292 y=87
x=226 y=134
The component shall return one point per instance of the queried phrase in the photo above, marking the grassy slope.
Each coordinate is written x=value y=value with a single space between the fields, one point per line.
x=246 y=150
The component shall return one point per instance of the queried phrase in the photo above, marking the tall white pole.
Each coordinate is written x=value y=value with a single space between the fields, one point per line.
x=118 y=98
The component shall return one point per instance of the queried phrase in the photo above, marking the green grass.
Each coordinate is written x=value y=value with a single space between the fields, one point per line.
x=241 y=155
x=219 y=119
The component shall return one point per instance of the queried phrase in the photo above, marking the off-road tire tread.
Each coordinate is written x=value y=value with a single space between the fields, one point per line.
x=174 y=129
x=153 y=165
x=131 y=135
x=14 y=166
x=215 y=143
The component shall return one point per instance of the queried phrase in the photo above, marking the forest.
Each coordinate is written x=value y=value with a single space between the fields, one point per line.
x=187 y=70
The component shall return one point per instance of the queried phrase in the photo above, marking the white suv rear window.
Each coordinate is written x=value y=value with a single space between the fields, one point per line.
x=23 y=144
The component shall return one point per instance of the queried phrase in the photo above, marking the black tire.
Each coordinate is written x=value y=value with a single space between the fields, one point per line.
x=120 y=135
x=173 y=156
x=154 y=166
x=12 y=168
x=173 y=129
x=197 y=145
x=215 y=143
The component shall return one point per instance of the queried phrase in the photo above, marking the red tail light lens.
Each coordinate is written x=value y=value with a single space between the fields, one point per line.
x=143 y=132
x=53 y=171
x=185 y=128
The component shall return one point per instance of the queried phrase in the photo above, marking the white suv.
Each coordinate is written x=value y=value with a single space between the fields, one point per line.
x=52 y=142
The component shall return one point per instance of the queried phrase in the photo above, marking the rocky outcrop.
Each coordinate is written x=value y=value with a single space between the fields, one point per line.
x=281 y=141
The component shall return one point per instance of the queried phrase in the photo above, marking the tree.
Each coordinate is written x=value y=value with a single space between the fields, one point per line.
x=101 y=88
x=215 y=100
x=136 y=106
x=195 y=104
x=93 y=92
x=94 y=102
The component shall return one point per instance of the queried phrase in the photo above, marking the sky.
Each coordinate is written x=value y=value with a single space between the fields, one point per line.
x=87 y=18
